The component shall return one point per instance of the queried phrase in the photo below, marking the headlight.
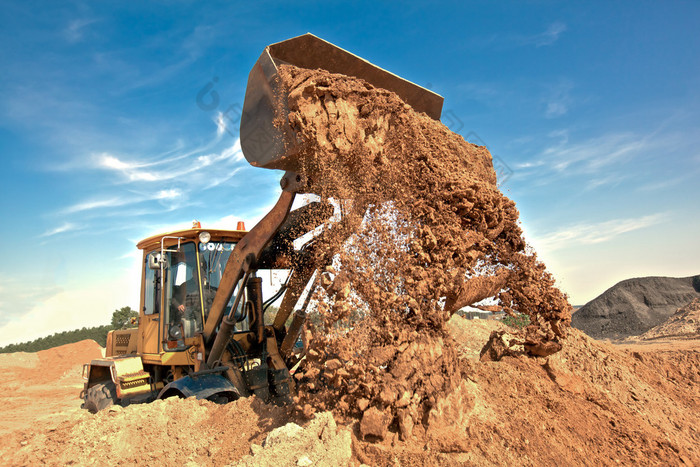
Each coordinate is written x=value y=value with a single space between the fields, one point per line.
x=204 y=237
x=175 y=332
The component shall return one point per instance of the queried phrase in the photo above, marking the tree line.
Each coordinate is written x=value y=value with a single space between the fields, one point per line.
x=121 y=318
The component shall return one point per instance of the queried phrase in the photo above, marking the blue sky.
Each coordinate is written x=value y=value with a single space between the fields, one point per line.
x=592 y=110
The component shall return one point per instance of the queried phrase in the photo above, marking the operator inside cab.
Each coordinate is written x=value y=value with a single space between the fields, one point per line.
x=185 y=311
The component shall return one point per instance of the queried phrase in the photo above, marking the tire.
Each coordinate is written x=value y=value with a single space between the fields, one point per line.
x=100 y=396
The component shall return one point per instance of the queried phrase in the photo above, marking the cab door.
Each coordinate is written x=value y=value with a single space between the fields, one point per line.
x=150 y=314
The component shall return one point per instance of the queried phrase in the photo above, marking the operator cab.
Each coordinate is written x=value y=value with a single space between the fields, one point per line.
x=188 y=266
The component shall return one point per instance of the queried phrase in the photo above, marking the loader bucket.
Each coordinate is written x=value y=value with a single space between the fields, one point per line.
x=272 y=146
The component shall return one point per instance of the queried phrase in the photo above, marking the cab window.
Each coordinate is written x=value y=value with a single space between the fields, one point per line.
x=151 y=299
x=183 y=299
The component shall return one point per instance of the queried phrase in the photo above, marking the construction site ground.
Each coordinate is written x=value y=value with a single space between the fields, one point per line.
x=592 y=403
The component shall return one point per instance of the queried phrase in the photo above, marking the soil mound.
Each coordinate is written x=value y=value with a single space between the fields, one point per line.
x=424 y=232
x=43 y=385
x=590 y=403
x=320 y=442
x=684 y=323
x=634 y=306
x=165 y=432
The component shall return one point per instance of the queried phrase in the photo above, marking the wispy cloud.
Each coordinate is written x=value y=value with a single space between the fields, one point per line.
x=662 y=184
x=167 y=194
x=95 y=204
x=172 y=168
x=140 y=186
x=594 y=154
x=592 y=233
x=65 y=227
x=603 y=160
x=550 y=36
x=75 y=31
x=540 y=39
x=559 y=99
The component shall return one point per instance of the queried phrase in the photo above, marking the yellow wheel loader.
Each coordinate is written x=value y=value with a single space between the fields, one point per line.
x=201 y=328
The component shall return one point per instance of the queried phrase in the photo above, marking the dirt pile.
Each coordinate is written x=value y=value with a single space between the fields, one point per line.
x=320 y=442
x=591 y=403
x=27 y=378
x=684 y=323
x=165 y=432
x=425 y=231
x=633 y=306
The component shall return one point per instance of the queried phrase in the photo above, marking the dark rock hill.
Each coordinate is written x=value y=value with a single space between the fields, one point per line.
x=634 y=306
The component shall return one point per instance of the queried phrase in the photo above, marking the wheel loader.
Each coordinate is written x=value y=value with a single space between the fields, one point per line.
x=202 y=328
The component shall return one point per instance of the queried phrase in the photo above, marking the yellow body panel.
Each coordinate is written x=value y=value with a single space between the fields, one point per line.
x=127 y=374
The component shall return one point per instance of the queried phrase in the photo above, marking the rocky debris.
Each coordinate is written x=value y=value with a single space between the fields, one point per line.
x=588 y=403
x=500 y=344
x=557 y=369
x=321 y=442
x=376 y=423
x=424 y=232
x=685 y=322
x=448 y=421
x=633 y=306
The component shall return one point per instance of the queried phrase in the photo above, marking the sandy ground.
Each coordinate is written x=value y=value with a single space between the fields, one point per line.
x=42 y=387
x=593 y=402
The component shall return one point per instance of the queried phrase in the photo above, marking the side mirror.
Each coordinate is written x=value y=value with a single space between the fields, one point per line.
x=154 y=261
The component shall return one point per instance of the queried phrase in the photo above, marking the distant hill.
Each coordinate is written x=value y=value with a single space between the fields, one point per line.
x=634 y=306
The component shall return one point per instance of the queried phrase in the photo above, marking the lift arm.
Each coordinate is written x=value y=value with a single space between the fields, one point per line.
x=242 y=259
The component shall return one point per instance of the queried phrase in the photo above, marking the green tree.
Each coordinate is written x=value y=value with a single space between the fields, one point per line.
x=122 y=317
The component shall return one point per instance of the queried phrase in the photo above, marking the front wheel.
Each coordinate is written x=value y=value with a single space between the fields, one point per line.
x=100 y=396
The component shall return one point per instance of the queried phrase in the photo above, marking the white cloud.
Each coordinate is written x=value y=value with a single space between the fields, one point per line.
x=547 y=37
x=111 y=162
x=603 y=160
x=190 y=170
x=667 y=182
x=92 y=205
x=220 y=124
x=556 y=108
x=550 y=36
x=65 y=227
x=558 y=99
x=96 y=204
x=528 y=165
x=172 y=168
x=594 y=154
x=592 y=233
x=168 y=194
x=75 y=31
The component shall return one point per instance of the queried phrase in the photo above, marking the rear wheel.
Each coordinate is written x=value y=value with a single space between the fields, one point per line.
x=100 y=396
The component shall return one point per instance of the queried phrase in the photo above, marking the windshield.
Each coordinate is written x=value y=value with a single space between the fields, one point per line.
x=213 y=257
x=183 y=304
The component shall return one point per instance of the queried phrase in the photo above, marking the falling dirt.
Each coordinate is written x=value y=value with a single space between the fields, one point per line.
x=425 y=231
